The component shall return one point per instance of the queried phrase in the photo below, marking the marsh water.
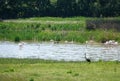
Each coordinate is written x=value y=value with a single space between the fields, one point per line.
x=66 y=52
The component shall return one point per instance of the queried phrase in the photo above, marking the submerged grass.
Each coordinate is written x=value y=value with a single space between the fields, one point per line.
x=41 y=70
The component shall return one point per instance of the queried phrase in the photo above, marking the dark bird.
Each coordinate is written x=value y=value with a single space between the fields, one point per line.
x=87 y=59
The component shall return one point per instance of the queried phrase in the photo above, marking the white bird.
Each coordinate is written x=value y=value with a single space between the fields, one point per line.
x=51 y=40
x=54 y=42
x=66 y=41
x=115 y=43
x=111 y=43
x=90 y=42
x=21 y=44
x=106 y=43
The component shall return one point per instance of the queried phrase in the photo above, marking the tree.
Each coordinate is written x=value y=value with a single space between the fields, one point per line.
x=42 y=7
x=60 y=8
x=65 y=7
x=110 y=7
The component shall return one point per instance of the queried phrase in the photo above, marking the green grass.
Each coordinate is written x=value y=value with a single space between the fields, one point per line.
x=47 y=28
x=41 y=70
x=54 y=19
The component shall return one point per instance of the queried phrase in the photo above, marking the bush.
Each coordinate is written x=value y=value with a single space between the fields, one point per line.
x=17 y=39
x=106 y=24
x=31 y=79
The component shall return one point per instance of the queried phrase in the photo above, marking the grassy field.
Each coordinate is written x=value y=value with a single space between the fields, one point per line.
x=47 y=28
x=41 y=70
x=60 y=29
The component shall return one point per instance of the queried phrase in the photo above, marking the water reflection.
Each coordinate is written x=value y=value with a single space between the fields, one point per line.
x=67 y=52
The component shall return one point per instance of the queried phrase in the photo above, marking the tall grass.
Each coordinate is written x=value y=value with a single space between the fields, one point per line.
x=45 y=31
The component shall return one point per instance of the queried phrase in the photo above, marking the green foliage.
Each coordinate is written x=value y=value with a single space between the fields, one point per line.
x=59 y=29
x=17 y=39
x=69 y=72
x=76 y=74
x=31 y=79
x=9 y=70
x=12 y=70
x=58 y=8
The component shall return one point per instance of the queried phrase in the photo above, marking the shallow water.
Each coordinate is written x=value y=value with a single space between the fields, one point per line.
x=66 y=52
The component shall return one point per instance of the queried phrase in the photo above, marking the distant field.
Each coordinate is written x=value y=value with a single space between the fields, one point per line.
x=53 y=28
x=40 y=70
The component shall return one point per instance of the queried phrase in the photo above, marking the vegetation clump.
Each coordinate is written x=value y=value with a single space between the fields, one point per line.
x=31 y=79
x=60 y=29
x=17 y=39
x=105 y=24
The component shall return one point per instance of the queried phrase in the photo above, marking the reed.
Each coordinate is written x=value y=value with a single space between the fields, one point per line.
x=59 y=29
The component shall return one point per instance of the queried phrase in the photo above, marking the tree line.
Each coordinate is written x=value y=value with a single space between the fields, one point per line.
x=58 y=8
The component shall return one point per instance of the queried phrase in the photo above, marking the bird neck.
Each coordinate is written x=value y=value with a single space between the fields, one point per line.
x=85 y=55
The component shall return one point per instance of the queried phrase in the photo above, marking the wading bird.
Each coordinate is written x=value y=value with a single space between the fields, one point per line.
x=21 y=44
x=87 y=59
x=111 y=43
x=54 y=42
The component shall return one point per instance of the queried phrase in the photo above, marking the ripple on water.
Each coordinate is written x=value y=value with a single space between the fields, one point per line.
x=67 y=52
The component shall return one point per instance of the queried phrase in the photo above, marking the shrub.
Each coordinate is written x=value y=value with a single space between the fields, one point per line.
x=12 y=70
x=31 y=79
x=53 y=28
x=17 y=39
x=49 y=25
x=69 y=72
x=42 y=28
x=105 y=24
x=76 y=74
x=37 y=26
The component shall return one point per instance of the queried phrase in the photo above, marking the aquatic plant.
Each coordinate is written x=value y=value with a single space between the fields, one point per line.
x=60 y=29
